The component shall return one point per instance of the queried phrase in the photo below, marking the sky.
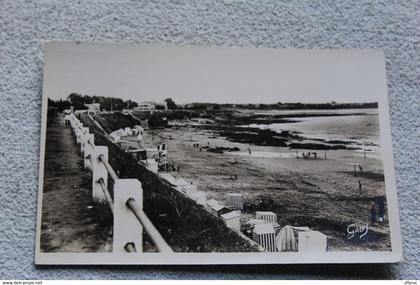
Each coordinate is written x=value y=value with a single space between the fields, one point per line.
x=213 y=74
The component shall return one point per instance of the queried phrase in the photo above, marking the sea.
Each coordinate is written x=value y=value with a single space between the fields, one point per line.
x=359 y=126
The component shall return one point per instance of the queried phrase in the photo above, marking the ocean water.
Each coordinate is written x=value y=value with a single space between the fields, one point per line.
x=362 y=129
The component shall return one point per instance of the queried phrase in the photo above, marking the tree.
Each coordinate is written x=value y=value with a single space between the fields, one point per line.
x=77 y=100
x=170 y=103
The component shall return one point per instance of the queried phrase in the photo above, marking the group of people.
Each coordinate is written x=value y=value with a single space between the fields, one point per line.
x=308 y=155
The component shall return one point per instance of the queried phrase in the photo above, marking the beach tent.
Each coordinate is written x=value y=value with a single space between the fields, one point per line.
x=115 y=137
x=134 y=132
x=267 y=216
x=312 y=241
x=264 y=235
x=286 y=240
x=235 y=200
x=127 y=131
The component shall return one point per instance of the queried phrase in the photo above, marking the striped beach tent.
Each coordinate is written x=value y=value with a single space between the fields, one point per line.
x=286 y=240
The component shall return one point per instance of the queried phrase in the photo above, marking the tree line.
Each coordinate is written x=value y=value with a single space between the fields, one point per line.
x=79 y=101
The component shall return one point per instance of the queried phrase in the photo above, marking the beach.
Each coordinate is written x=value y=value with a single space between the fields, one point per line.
x=320 y=193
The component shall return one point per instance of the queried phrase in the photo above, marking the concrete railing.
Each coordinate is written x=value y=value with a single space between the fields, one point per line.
x=127 y=206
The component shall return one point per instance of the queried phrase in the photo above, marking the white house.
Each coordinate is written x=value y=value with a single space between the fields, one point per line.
x=93 y=107
x=147 y=106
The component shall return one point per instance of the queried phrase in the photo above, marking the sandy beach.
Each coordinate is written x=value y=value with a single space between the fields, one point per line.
x=320 y=193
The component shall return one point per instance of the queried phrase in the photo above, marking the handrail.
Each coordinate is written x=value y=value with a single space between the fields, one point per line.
x=100 y=153
x=130 y=247
x=90 y=142
x=108 y=167
x=89 y=157
x=107 y=195
x=150 y=229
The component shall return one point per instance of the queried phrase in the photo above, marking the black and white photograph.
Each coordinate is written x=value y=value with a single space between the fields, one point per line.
x=205 y=155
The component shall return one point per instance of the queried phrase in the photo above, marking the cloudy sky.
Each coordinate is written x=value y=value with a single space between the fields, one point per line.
x=220 y=75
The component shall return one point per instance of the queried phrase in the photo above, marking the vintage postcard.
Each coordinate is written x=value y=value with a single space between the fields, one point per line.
x=207 y=155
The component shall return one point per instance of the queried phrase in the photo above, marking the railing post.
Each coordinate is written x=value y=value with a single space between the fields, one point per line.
x=90 y=139
x=83 y=139
x=99 y=171
x=127 y=228
x=79 y=132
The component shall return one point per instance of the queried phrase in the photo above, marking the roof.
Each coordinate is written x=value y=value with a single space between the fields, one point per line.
x=217 y=207
x=316 y=233
x=181 y=182
x=230 y=215
x=212 y=202
x=264 y=229
x=168 y=177
x=265 y=213
x=234 y=194
x=256 y=222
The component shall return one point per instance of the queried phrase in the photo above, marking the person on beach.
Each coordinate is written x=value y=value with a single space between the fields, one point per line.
x=360 y=187
x=373 y=214
x=249 y=150
x=381 y=209
x=67 y=119
x=360 y=168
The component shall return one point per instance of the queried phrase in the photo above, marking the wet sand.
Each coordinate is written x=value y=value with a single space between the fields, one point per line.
x=322 y=194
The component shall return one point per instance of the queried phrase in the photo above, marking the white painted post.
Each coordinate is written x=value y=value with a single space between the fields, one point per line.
x=73 y=122
x=99 y=171
x=88 y=150
x=83 y=140
x=79 y=132
x=127 y=228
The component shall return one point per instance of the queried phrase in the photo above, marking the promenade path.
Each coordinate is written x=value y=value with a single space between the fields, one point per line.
x=71 y=222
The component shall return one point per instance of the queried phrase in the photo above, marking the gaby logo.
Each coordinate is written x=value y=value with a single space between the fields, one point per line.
x=355 y=230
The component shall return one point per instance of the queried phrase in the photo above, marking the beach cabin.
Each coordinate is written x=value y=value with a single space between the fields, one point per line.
x=115 y=137
x=266 y=216
x=151 y=164
x=253 y=222
x=312 y=241
x=168 y=178
x=200 y=197
x=232 y=220
x=235 y=200
x=182 y=185
x=265 y=236
x=216 y=208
